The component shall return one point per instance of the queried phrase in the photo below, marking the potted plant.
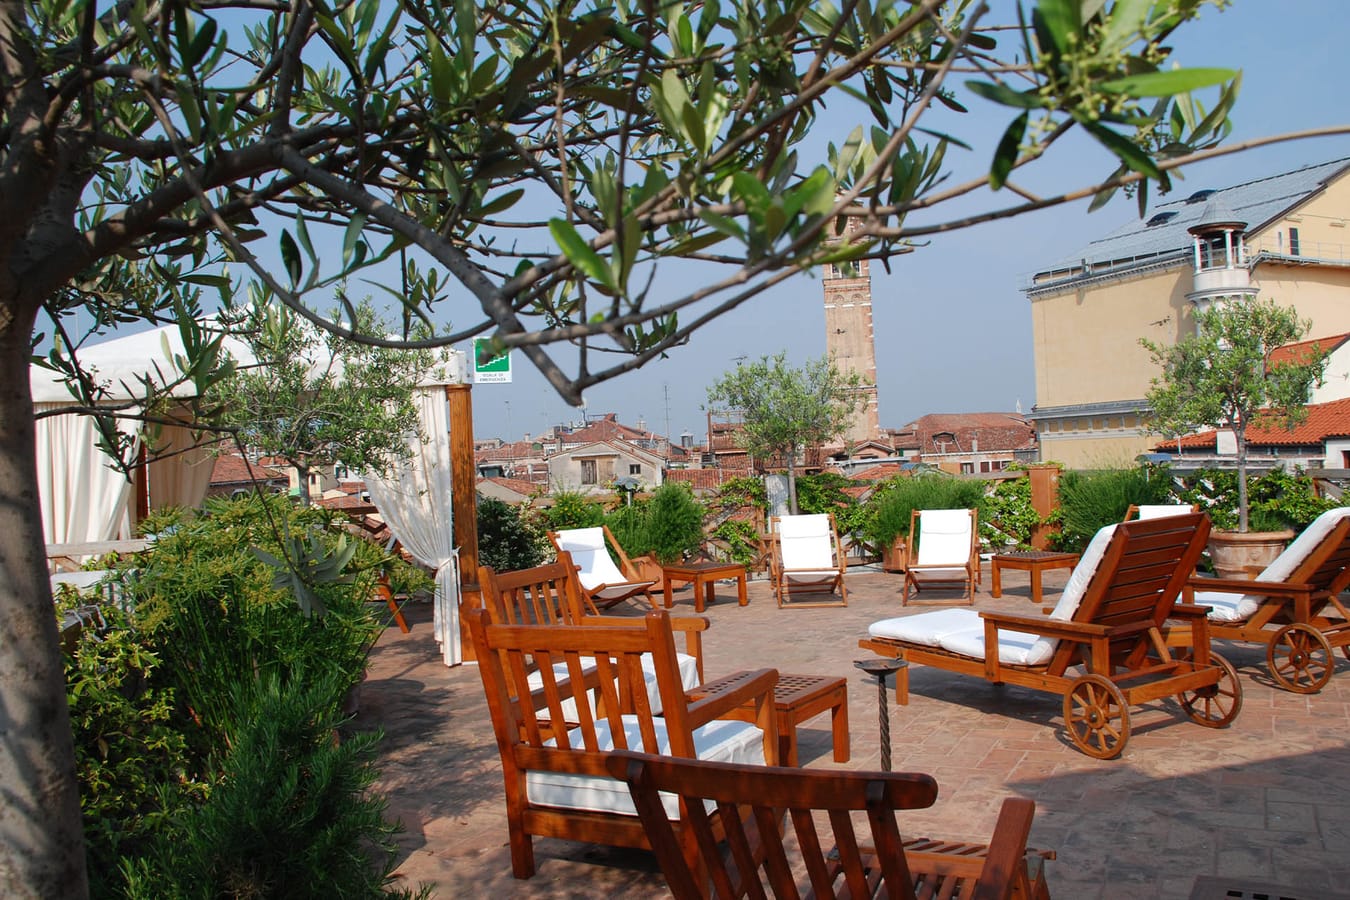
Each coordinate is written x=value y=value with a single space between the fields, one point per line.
x=1223 y=377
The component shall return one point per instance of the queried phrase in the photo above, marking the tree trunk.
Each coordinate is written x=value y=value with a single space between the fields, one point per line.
x=41 y=836
x=792 y=480
x=302 y=476
x=1240 y=438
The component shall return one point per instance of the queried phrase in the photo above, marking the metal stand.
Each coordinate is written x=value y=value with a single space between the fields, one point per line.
x=880 y=667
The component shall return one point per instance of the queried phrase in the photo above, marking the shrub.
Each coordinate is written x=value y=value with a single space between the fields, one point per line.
x=167 y=699
x=674 y=522
x=1091 y=500
x=506 y=541
x=888 y=509
x=824 y=493
x=629 y=525
x=291 y=816
x=1278 y=499
x=1009 y=514
x=573 y=510
x=747 y=490
x=741 y=538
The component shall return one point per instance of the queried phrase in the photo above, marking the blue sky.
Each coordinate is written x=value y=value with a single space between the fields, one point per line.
x=953 y=330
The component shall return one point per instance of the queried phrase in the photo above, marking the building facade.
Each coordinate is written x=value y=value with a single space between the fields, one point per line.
x=1284 y=237
x=849 y=341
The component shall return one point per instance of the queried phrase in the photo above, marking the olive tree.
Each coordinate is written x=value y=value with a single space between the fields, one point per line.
x=785 y=410
x=1223 y=376
x=525 y=171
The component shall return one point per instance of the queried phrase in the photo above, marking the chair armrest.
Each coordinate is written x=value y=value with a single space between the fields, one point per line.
x=1248 y=586
x=749 y=687
x=1189 y=611
x=1005 y=860
x=1046 y=627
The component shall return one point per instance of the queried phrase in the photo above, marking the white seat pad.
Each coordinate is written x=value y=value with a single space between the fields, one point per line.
x=926 y=628
x=718 y=741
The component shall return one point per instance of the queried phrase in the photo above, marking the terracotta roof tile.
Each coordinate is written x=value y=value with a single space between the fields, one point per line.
x=1301 y=351
x=1324 y=420
x=519 y=485
x=230 y=468
x=993 y=431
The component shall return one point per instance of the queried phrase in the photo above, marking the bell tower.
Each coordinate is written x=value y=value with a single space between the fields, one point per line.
x=848 y=338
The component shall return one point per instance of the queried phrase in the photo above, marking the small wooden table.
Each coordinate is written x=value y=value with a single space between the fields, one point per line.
x=797 y=698
x=703 y=575
x=1033 y=561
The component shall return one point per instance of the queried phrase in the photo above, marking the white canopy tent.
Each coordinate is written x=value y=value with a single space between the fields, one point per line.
x=85 y=500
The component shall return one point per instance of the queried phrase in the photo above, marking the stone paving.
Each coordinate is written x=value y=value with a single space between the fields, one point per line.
x=1263 y=800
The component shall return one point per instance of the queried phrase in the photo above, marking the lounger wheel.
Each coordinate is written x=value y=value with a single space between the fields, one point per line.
x=1097 y=716
x=1299 y=659
x=1218 y=704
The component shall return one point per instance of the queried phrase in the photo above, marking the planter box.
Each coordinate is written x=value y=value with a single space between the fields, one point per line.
x=895 y=557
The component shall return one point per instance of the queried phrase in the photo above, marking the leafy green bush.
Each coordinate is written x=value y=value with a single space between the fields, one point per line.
x=629 y=525
x=674 y=522
x=741 y=538
x=746 y=490
x=1009 y=514
x=888 y=509
x=824 y=493
x=291 y=815
x=573 y=510
x=506 y=540
x=164 y=701
x=1091 y=500
x=1278 y=499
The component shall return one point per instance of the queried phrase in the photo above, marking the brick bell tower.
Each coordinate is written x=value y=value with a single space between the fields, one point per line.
x=848 y=339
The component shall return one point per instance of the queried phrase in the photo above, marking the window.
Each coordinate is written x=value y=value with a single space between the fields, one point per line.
x=588 y=475
x=968 y=468
x=1293 y=241
x=634 y=469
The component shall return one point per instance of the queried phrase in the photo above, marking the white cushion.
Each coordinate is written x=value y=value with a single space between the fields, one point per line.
x=804 y=542
x=1162 y=510
x=1223 y=606
x=944 y=537
x=688 y=667
x=1081 y=576
x=926 y=628
x=1015 y=648
x=589 y=554
x=718 y=741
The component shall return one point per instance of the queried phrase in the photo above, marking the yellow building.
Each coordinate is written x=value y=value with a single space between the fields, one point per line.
x=1284 y=237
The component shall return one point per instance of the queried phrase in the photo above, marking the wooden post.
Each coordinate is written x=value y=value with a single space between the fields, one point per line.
x=464 y=503
x=1044 y=499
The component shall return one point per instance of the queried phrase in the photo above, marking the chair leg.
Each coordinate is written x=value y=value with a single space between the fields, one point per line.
x=522 y=844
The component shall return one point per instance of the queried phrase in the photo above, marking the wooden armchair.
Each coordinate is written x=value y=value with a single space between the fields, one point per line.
x=556 y=781
x=750 y=802
x=948 y=551
x=807 y=558
x=603 y=582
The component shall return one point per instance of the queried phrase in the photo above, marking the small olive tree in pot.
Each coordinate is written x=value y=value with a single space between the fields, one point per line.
x=1223 y=376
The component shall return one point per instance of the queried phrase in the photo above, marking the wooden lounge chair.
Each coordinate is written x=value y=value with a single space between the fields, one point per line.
x=807 y=559
x=551 y=595
x=948 y=552
x=750 y=801
x=1103 y=647
x=1293 y=606
x=556 y=780
x=604 y=583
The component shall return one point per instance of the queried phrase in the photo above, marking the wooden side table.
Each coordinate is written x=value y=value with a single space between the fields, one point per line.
x=797 y=698
x=703 y=575
x=1033 y=561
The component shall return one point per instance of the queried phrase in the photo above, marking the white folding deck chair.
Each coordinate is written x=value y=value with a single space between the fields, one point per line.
x=948 y=551
x=603 y=582
x=807 y=557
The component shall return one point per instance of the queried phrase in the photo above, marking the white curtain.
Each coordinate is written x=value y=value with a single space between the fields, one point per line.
x=183 y=475
x=414 y=501
x=84 y=498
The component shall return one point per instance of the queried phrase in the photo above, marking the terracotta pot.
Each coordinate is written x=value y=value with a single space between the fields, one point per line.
x=895 y=556
x=1243 y=555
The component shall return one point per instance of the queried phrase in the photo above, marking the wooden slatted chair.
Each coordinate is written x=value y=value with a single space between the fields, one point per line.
x=556 y=781
x=948 y=552
x=1105 y=645
x=551 y=595
x=746 y=804
x=604 y=583
x=807 y=559
x=1293 y=606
